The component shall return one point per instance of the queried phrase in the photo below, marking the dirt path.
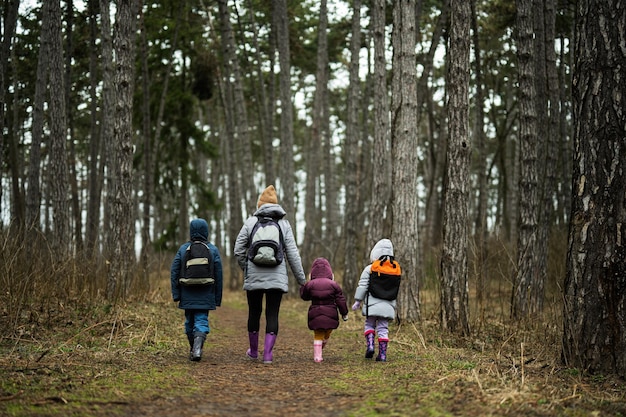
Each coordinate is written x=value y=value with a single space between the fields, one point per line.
x=236 y=386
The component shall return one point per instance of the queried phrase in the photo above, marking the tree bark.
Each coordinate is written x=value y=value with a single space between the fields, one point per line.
x=95 y=178
x=59 y=171
x=404 y=152
x=351 y=151
x=525 y=277
x=594 y=337
x=381 y=153
x=313 y=241
x=33 y=196
x=286 y=110
x=10 y=23
x=107 y=162
x=454 y=291
x=264 y=105
x=481 y=230
x=122 y=214
x=544 y=160
x=241 y=138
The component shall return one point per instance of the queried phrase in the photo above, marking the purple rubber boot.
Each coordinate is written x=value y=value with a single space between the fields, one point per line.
x=382 y=351
x=369 y=339
x=253 y=352
x=268 y=356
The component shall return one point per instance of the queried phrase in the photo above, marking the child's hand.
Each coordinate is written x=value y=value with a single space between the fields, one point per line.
x=345 y=318
x=356 y=305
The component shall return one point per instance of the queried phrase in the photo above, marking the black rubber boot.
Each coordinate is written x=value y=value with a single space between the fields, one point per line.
x=198 y=343
x=190 y=339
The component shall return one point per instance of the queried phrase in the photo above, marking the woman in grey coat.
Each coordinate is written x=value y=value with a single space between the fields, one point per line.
x=269 y=280
x=378 y=312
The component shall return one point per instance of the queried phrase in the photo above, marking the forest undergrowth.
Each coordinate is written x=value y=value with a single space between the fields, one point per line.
x=77 y=357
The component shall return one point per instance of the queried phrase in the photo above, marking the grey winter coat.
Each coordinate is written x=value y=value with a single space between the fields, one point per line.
x=197 y=297
x=372 y=306
x=263 y=277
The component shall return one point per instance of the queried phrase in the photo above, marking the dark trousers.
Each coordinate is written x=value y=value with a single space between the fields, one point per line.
x=255 y=308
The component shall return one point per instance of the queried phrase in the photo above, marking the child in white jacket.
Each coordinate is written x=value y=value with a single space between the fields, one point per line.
x=377 y=311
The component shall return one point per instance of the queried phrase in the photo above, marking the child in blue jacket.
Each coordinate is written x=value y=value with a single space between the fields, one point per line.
x=197 y=295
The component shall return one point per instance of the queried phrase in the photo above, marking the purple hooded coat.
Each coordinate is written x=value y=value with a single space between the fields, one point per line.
x=325 y=295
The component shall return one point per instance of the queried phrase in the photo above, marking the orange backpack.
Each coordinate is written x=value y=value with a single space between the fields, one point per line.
x=385 y=278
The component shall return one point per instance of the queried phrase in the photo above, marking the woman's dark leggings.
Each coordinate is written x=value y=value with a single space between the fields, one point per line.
x=272 y=307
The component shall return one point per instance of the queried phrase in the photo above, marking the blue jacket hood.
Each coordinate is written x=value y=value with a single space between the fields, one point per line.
x=199 y=229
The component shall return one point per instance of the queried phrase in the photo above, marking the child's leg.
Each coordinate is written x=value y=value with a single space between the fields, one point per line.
x=189 y=316
x=318 y=341
x=319 y=335
x=326 y=337
x=200 y=330
x=201 y=321
x=382 y=329
x=370 y=326
x=189 y=329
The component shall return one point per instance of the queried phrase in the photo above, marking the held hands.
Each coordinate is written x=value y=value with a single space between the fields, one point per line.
x=345 y=318
x=356 y=305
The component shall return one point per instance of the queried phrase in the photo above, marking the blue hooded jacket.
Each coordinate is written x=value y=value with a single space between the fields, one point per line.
x=198 y=297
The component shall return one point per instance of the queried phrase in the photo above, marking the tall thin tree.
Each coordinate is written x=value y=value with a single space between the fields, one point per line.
x=9 y=25
x=381 y=181
x=454 y=291
x=404 y=155
x=59 y=171
x=287 y=188
x=313 y=197
x=351 y=152
x=528 y=216
x=122 y=244
x=33 y=195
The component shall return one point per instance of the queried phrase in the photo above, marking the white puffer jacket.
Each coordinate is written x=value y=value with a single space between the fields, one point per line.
x=372 y=306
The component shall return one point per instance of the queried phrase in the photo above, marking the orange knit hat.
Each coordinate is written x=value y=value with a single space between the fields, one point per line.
x=268 y=196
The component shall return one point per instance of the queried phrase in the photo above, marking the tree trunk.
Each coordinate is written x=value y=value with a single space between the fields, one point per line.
x=241 y=138
x=230 y=155
x=544 y=185
x=58 y=135
x=594 y=337
x=33 y=196
x=522 y=302
x=454 y=291
x=312 y=244
x=95 y=150
x=107 y=162
x=264 y=106
x=122 y=214
x=404 y=153
x=481 y=166
x=381 y=155
x=286 y=110
x=10 y=23
x=351 y=151
x=77 y=218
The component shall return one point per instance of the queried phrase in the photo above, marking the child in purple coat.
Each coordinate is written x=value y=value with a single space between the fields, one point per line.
x=326 y=299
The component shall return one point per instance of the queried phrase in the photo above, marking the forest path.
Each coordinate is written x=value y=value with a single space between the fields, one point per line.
x=293 y=385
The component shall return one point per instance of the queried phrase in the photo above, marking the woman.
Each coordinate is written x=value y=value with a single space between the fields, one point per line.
x=263 y=248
